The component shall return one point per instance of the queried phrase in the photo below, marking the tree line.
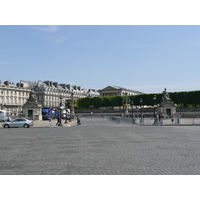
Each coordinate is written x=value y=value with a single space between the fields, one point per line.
x=183 y=99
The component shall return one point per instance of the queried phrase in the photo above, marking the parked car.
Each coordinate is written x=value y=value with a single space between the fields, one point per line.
x=19 y=122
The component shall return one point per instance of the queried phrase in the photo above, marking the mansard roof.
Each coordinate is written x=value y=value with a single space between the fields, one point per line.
x=120 y=88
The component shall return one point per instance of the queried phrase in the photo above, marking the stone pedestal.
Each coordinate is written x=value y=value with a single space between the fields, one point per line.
x=32 y=109
x=167 y=106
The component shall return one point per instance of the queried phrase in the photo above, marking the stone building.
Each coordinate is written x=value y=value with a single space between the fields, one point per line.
x=117 y=91
x=12 y=97
x=48 y=93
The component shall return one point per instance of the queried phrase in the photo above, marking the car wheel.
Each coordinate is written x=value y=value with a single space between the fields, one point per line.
x=6 y=126
x=26 y=126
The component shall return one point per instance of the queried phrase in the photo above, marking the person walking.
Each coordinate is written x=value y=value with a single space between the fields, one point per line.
x=58 y=121
x=78 y=121
x=50 y=121
x=172 y=120
x=9 y=118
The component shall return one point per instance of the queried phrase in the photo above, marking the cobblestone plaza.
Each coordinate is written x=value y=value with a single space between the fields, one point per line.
x=100 y=147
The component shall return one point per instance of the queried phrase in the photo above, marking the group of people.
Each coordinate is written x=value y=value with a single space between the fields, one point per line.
x=67 y=119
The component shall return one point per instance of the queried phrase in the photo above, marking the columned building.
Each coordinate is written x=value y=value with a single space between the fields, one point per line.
x=117 y=91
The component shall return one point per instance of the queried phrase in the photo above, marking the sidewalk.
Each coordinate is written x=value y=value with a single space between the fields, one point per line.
x=45 y=124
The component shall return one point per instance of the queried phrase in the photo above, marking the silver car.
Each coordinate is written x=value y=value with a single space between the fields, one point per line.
x=20 y=122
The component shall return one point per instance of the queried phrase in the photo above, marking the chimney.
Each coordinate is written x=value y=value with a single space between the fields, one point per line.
x=63 y=85
x=75 y=87
x=6 y=83
x=55 y=84
x=68 y=86
x=39 y=82
x=79 y=88
x=47 y=83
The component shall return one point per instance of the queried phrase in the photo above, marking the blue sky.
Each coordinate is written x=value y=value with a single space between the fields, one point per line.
x=143 y=58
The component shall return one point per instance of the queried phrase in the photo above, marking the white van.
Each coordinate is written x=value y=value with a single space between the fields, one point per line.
x=3 y=116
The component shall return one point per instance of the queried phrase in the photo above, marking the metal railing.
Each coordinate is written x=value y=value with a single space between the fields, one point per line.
x=148 y=121
x=152 y=122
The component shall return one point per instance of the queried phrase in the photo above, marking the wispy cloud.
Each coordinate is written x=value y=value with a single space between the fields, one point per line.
x=50 y=33
x=57 y=39
x=47 y=28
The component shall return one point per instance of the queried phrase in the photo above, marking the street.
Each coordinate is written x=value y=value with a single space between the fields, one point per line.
x=100 y=147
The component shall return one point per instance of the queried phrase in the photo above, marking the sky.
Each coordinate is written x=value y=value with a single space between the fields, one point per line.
x=145 y=58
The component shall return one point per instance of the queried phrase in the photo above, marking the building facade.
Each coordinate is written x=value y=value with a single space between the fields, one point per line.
x=48 y=93
x=117 y=91
x=12 y=97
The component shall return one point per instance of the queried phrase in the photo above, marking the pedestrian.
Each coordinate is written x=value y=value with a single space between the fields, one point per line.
x=58 y=121
x=172 y=120
x=50 y=122
x=78 y=121
x=9 y=118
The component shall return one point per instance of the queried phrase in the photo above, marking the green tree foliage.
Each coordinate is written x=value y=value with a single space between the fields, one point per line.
x=186 y=99
x=107 y=102
x=117 y=101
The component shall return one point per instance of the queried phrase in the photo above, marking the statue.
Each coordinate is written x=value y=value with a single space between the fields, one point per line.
x=32 y=97
x=165 y=96
x=32 y=100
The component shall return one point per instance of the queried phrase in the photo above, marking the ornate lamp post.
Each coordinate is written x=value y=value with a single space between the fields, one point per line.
x=141 y=108
x=126 y=102
x=154 y=108
x=72 y=106
x=60 y=116
x=132 y=108
x=131 y=103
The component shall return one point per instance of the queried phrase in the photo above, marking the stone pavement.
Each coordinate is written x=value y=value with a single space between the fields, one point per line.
x=100 y=147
